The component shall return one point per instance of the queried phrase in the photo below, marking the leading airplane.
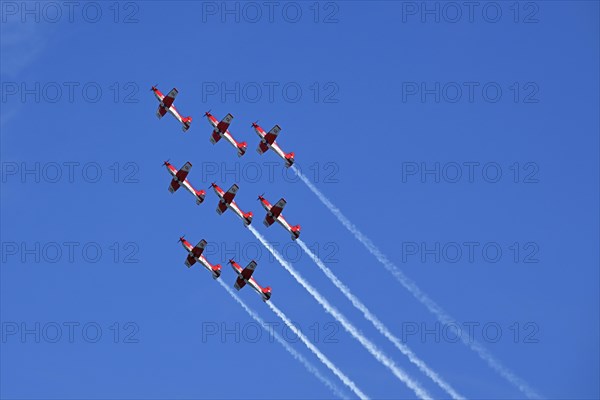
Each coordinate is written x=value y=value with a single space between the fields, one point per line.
x=274 y=214
x=166 y=104
x=221 y=129
x=267 y=141
x=226 y=201
x=195 y=254
x=179 y=179
x=245 y=276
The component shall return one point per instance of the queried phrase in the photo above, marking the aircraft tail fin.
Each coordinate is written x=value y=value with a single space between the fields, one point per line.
x=187 y=121
x=216 y=271
x=295 y=232
x=248 y=217
x=289 y=157
x=242 y=148
x=200 y=194
x=267 y=292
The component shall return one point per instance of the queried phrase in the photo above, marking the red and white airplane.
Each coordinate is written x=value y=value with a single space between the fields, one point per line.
x=179 y=179
x=222 y=130
x=267 y=141
x=195 y=254
x=166 y=104
x=245 y=276
x=274 y=214
x=226 y=201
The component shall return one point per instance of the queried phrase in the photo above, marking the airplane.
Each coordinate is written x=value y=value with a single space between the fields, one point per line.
x=245 y=276
x=226 y=201
x=195 y=254
x=267 y=141
x=179 y=179
x=166 y=104
x=274 y=214
x=222 y=130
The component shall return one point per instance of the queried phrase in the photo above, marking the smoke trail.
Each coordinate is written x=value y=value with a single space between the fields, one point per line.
x=316 y=351
x=379 y=325
x=412 y=287
x=311 y=368
x=351 y=329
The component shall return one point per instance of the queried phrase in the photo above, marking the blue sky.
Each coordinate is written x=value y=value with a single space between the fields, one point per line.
x=366 y=95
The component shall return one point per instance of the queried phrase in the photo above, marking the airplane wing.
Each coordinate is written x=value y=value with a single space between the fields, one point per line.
x=228 y=197
x=215 y=137
x=268 y=221
x=221 y=208
x=239 y=283
x=278 y=207
x=173 y=186
x=161 y=111
x=272 y=134
x=247 y=272
x=170 y=98
x=224 y=124
x=197 y=251
x=262 y=147
x=184 y=171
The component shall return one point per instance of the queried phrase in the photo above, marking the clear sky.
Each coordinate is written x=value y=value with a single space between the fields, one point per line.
x=462 y=139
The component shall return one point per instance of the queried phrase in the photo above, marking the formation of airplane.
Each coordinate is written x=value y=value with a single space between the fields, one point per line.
x=245 y=276
x=226 y=201
x=274 y=214
x=195 y=254
x=267 y=141
x=166 y=104
x=221 y=130
x=179 y=179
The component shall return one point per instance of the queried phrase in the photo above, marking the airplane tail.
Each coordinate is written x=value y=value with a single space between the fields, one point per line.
x=289 y=157
x=216 y=270
x=295 y=232
x=267 y=292
x=242 y=148
x=248 y=217
x=200 y=194
x=187 y=121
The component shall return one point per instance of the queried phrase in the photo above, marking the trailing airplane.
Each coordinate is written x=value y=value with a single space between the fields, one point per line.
x=221 y=129
x=245 y=276
x=267 y=141
x=195 y=254
x=274 y=214
x=226 y=201
x=166 y=104
x=179 y=179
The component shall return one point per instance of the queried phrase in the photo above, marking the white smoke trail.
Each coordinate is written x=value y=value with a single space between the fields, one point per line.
x=311 y=368
x=412 y=287
x=380 y=326
x=351 y=329
x=316 y=351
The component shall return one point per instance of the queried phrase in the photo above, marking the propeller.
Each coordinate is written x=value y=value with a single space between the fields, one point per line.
x=260 y=197
x=181 y=239
x=212 y=185
x=166 y=162
x=255 y=123
x=206 y=114
x=153 y=87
